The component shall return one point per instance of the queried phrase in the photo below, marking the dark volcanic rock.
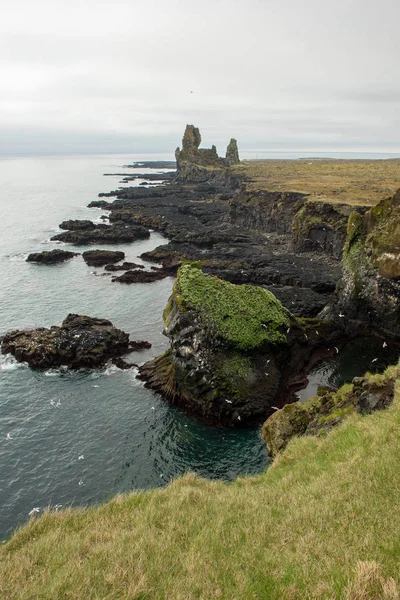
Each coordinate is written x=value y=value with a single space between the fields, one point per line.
x=142 y=276
x=77 y=224
x=79 y=342
x=98 y=258
x=103 y=234
x=51 y=257
x=139 y=345
x=125 y=266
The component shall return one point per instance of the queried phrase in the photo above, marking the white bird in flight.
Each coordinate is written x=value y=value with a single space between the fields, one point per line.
x=34 y=510
x=8 y=436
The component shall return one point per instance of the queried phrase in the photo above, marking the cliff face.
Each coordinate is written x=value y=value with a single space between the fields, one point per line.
x=194 y=163
x=370 y=286
x=234 y=350
x=320 y=414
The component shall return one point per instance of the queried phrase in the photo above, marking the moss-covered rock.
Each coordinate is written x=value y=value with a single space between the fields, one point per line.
x=235 y=350
x=318 y=415
x=370 y=287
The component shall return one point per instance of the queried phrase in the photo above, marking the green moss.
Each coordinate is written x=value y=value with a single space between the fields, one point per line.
x=244 y=316
x=335 y=415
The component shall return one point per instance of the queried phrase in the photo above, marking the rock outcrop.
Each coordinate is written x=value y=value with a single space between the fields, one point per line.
x=99 y=258
x=369 y=290
x=235 y=350
x=318 y=415
x=80 y=342
x=194 y=162
x=118 y=233
x=51 y=257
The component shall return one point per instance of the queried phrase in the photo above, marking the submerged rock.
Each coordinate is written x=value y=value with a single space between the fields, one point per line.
x=79 y=342
x=51 y=257
x=320 y=414
x=98 y=258
x=235 y=350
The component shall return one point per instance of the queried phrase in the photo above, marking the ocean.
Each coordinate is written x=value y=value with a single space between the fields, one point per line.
x=79 y=438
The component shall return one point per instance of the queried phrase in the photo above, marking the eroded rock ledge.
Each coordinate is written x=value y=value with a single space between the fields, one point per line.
x=318 y=415
x=235 y=350
x=79 y=342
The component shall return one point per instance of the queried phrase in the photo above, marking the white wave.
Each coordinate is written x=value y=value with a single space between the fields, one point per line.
x=50 y=241
x=9 y=363
x=12 y=257
x=55 y=372
x=111 y=369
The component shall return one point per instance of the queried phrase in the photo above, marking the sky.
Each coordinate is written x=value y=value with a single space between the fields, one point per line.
x=127 y=76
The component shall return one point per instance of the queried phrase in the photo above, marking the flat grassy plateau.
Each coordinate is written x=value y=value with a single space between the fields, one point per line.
x=357 y=182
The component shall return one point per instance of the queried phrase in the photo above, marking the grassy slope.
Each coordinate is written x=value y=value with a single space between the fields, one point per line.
x=362 y=182
x=297 y=531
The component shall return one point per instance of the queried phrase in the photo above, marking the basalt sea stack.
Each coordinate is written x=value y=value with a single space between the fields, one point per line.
x=235 y=349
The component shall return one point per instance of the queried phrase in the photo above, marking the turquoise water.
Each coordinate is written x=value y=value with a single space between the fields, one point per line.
x=129 y=438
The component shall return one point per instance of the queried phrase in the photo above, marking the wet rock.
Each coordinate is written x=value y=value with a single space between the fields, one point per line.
x=140 y=276
x=122 y=364
x=98 y=258
x=51 y=257
x=139 y=345
x=103 y=234
x=74 y=224
x=125 y=266
x=80 y=342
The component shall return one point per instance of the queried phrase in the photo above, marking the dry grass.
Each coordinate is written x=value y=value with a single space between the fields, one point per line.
x=322 y=523
x=362 y=182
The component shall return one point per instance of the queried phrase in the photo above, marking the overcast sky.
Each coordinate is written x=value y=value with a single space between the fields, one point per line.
x=102 y=76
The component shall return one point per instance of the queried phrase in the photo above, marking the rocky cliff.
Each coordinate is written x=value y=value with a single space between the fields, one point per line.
x=370 y=287
x=318 y=415
x=234 y=349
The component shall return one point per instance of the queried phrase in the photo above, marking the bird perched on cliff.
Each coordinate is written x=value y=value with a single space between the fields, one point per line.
x=34 y=510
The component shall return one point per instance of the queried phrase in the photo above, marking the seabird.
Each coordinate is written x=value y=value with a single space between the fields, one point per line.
x=384 y=345
x=341 y=315
x=275 y=407
x=81 y=457
x=239 y=419
x=8 y=436
x=228 y=401
x=337 y=351
x=80 y=482
x=374 y=360
x=34 y=510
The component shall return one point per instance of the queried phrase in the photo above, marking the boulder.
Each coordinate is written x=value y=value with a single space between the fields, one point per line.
x=51 y=257
x=80 y=342
x=98 y=258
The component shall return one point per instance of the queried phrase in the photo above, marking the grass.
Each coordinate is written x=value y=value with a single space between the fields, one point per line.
x=321 y=523
x=355 y=182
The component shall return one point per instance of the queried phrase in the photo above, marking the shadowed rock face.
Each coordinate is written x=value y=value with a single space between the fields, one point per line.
x=79 y=342
x=370 y=287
